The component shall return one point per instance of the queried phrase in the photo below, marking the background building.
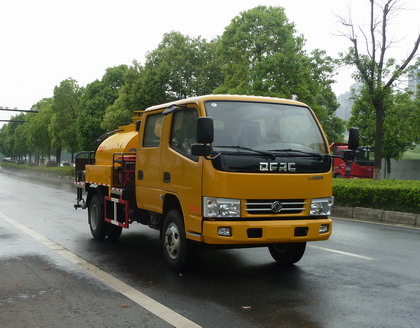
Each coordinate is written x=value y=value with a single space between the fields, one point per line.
x=414 y=83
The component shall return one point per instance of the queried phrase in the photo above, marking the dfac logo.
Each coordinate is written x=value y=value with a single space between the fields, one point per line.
x=277 y=167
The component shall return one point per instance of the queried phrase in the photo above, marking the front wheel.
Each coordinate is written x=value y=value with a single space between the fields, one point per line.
x=174 y=241
x=287 y=253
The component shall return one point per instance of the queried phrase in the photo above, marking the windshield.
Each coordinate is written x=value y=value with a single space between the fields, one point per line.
x=264 y=127
x=365 y=157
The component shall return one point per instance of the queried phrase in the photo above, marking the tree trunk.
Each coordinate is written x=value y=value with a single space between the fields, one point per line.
x=378 y=141
x=58 y=156
x=388 y=166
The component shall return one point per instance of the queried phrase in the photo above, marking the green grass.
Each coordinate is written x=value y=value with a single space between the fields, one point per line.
x=58 y=170
x=413 y=154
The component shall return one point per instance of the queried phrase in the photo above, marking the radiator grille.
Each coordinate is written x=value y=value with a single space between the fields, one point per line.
x=275 y=206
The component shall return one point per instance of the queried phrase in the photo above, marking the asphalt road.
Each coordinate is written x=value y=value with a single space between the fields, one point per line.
x=53 y=274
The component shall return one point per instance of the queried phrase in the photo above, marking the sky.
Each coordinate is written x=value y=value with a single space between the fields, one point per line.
x=44 y=42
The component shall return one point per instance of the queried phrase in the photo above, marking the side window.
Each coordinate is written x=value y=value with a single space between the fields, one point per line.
x=153 y=130
x=183 y=132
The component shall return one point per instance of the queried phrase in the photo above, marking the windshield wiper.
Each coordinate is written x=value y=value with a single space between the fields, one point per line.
x=262 y=152
x=307 y=153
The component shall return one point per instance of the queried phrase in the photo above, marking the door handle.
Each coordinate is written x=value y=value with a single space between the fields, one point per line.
x=166 y=177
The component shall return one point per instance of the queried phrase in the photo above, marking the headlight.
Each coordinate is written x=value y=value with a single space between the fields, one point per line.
x=321 y=206
x=221 y=207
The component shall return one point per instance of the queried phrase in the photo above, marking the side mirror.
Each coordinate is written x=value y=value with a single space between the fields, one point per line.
x=353 y=138
x=201 y=150
x=205 y=136
x=205 y=130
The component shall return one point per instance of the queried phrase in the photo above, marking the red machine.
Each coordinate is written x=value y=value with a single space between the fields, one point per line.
x=359 y=168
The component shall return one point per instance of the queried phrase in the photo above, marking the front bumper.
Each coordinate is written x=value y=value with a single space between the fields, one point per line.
x=266 y=232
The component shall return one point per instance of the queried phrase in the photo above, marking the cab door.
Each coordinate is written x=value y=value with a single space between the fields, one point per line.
x=149 y=161
x=182 y=170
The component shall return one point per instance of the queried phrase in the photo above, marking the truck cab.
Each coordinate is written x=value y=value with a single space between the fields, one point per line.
x=360 y=166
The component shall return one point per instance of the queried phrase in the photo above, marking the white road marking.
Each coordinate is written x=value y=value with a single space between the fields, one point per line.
x=344 y=253
x=138 y=297
x=378 y=223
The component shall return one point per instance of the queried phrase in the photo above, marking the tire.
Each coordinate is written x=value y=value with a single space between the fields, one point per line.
x=174 y=242
x=113 y=231
x=287 y=254
x=98 y=226
x=338 y=176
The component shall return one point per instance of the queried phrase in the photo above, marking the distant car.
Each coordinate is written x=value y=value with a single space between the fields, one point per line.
x=66 y=164
x=50 y=164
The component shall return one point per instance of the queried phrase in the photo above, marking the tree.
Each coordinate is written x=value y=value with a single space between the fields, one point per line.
x=182 y=67
x=66 y=108
x=401 y=130
x=253 y=48
x=120 y=112
x=179 y=67
x=39 y=136
x=20 y=148
x=378 y=74
x=96 y=98
x=6 y=142
x=261 y=55
x=12 y=138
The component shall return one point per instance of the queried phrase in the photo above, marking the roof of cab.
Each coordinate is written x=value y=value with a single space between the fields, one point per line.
x=226 y=97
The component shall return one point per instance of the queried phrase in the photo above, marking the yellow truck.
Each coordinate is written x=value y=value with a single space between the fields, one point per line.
x=221 y=170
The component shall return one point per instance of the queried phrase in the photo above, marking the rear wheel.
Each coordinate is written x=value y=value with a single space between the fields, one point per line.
x=98 y=226
x=113 y=231
x=174 y=241
x=287 y=253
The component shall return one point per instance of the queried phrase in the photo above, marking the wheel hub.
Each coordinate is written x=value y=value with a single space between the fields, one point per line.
x=172 y=241
x=94 y=217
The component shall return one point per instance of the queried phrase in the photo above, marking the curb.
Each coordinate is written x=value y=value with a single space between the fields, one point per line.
x=375 y=215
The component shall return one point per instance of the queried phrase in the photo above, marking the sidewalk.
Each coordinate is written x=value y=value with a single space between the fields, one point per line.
x=375 y=215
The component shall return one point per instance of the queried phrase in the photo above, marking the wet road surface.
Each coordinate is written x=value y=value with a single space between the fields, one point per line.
x=366 y=275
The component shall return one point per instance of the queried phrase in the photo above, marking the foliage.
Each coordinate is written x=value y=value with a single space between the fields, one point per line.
x=20 y=136
x=5 y=148
x=400 y=127
x=262 y=56
x=120 y=113
x=392 y=195
x=11 y=145
x=96 y=98
x=39 y=137
x=179 y=67
x=182 y=67
x=66 y=108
